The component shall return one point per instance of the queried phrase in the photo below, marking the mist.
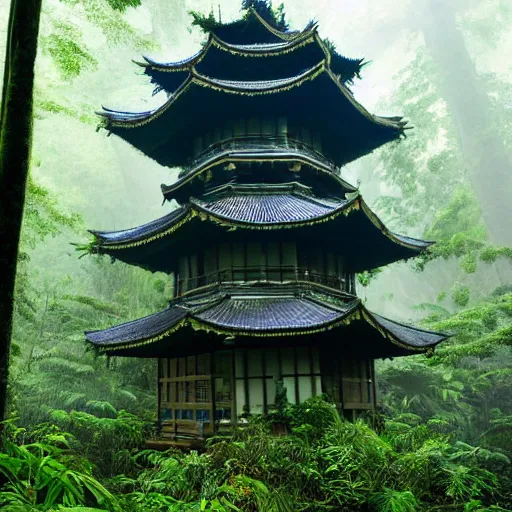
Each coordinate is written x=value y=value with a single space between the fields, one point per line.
x=113 y=186
x=446 y=67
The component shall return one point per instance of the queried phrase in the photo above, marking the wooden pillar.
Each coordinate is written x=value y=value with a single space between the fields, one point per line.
x=158 y=397
x=234 y=406
x=212 y=391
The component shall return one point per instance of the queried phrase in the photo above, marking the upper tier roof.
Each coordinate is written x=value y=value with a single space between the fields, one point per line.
x=252 y=28
x=277 y=313
x=314 y=169
x=268 y=61
x=158 y=244
x=315 y=99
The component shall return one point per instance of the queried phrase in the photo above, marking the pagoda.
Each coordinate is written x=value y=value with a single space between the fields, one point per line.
x=268 y=237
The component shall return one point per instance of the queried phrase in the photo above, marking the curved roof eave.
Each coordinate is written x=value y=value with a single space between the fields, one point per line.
x=287 y=36
x=345 y=67
x=230 y=156
x=125 y=239
x=279 y=34
x=123 y=119
x=255 y=50
x=248 y=317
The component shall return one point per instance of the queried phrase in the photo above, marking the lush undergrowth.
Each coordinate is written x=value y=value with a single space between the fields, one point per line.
x=324 y=463
x=441 y=441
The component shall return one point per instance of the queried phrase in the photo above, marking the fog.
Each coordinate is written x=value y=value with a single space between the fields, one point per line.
x=466 y=47
x=437 y=426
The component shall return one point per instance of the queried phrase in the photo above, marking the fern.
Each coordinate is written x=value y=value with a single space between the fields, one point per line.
x=462 y=482
x=101 y=409
x=73 y=400
x=42 y=476
x=390 y=500
x=60 y=366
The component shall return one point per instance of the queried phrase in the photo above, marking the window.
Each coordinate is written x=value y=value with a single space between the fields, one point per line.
x=203 y=415
x=184 y=414
x=166 y=414
x=185 y=387
x=203 y=391
x=356 y=377
x=258 y=370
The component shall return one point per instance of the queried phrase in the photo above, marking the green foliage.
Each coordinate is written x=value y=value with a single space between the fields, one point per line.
x=395 y=501
x=460 y=295
x=326 y=463
x=104 y=14
x=64 y=45
x=491 y=254
x=107 y=439
x=122 y=5
x=205 y=23
x=41 y=476
x=49 y=106
x=428 y=177
x=42 y=216
x=366 y=277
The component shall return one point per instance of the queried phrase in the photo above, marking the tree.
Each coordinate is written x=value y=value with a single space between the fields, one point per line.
x=489 y=166
x=15 y=143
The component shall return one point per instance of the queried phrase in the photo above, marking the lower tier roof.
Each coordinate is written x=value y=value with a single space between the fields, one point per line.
x=286 y=211
x=262 y=315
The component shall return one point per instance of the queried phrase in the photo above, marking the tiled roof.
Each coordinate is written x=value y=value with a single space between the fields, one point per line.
x=413 y=241
x=253 y=28
x=269 y=314
x=411 y=336
x=167 y=133
x=269 y=208
x=261 y=207
x=146 y=230
x=143 y=328
x=263 y=313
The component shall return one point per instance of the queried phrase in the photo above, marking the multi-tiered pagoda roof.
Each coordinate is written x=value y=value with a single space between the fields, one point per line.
x=296 y=310
x=267 y=237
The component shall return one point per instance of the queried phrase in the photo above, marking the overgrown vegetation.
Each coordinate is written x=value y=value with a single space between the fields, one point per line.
x=64 y=45
x=323 y=464
x=442 y=438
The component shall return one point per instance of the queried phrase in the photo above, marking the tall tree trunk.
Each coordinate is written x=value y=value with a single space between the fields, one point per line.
x=15 y=143
x=488 y=165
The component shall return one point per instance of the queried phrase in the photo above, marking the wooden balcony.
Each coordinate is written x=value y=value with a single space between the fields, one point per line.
x=260 y=144
x=280 y=274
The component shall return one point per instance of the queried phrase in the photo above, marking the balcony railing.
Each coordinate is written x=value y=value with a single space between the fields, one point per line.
x=267 y=274
x=258 y=143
